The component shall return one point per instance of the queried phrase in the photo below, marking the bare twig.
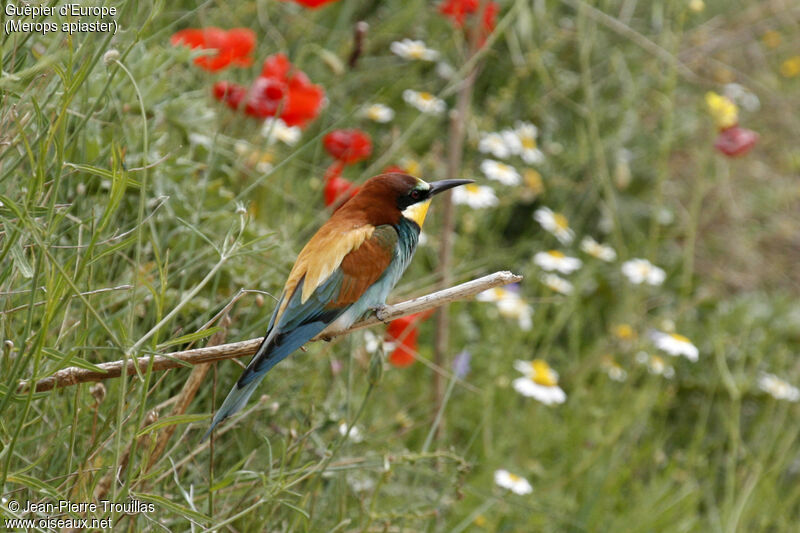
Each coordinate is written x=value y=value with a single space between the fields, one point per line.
x=74 y=375
x=359 y=31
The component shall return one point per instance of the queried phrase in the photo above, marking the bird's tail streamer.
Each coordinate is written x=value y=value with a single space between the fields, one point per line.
x=238 y=396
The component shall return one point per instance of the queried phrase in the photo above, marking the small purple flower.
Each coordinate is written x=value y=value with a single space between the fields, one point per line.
x=513 y=287
x=461 y=364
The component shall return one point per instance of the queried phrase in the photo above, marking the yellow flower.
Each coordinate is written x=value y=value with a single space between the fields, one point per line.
x=791 y=67
x=772 y=38
x=624 y=332
x=723 y=110
x=533 y=181
x=697 y=5
x=411 y=166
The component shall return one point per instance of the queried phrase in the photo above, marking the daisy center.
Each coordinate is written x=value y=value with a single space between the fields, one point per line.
x=543 y=374
x=533 y=180
x=557 y=254
x=472 y=188
x=680 y=338
x=426 y=97
x=529 y=143
x=624 y=331
x=560 y=221
x=416 y=51
x=513 y=477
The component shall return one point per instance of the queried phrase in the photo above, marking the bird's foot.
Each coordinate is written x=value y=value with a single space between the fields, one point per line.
x=383 y=312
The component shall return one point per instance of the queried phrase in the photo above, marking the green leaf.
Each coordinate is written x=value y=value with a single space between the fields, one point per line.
x=19 y=258
x=65 y=360
x=171 y=421
x=190 y=337
x=164 y=503
x=32 y=482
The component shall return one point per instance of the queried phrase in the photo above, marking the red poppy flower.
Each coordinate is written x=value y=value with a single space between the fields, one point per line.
x=337 y=190
x=348 y=146
x=280 y=91
x=313 y=4
x=735 y=141
x=230 y=93
x=404 y=332
x=233 y=46
x=457 y=11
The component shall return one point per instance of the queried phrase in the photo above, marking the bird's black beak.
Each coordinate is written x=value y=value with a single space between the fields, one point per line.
x=443 y=185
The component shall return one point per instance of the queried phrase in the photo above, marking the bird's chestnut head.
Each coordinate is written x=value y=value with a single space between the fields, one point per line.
x=396 y=195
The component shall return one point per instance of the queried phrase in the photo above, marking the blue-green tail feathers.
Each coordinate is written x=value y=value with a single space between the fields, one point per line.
x=299 y=323
x=273 y=350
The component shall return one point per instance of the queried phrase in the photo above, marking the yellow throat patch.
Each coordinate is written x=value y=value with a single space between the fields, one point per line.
x=417 y=212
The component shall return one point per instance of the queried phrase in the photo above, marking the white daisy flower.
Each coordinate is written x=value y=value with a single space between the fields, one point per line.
x=640 y=271
x=424 y=101
x=445 y=70
x=597 y=250
x=512 y=141
x=540 y=382
x=778 y=388
x=497 y=171
x=655 y=365
x=554 y=282
x=613 y=370
x=355 y=433
x=555 y=223
x=514 y=483
x=372 y=342
x=475 y=196
x=675 y=344
x=555 y=260
x=275 y=129
x=378 y=113
x=529 y=151
x=741 y=96
x=415 y=50
x=510 y=305
x=494 y=143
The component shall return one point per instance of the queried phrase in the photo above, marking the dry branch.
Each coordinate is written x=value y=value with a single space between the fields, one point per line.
x=75 y=375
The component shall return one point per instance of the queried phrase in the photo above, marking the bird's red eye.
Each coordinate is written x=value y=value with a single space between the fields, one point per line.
x=415 y=194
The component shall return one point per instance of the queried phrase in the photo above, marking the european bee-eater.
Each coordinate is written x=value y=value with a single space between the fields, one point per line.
x=343 y=273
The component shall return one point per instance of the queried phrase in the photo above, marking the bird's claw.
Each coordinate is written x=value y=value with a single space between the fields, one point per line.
x=382 y=312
